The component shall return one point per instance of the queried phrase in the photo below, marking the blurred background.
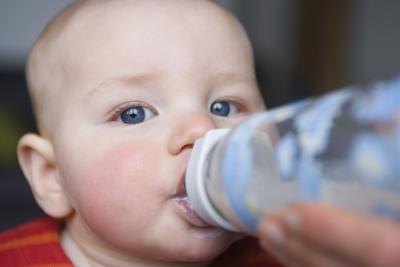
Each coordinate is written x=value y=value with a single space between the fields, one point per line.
x=302 y=48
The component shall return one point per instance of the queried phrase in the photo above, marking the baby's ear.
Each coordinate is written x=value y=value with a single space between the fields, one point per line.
x=37 y=160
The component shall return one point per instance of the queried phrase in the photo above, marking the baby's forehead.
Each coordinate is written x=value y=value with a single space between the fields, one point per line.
x=74 y=27
x=83 y=12
x=86 y=26
x=104 y=27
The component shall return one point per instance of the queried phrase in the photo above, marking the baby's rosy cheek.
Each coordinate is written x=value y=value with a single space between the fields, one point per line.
x=111 y=175
x=109 y=188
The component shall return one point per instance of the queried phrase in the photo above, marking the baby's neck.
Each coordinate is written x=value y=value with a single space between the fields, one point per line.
x=73 y=252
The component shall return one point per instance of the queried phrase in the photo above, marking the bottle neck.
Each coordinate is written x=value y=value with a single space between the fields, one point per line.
x=197 y=178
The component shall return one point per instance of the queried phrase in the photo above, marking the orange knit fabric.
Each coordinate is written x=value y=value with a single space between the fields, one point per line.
x=37 y=244
x=34 y=244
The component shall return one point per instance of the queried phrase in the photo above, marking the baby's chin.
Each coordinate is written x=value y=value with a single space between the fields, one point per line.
x=205 y=244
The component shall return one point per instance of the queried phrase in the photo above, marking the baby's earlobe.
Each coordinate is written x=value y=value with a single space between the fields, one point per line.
x=36 y=158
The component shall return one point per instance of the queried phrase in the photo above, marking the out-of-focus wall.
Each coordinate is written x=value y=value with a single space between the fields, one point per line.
x=20 y=23
x=375 y=41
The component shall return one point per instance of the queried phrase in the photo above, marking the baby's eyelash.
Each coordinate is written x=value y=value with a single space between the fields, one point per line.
x=238 y=102
x=115 y=113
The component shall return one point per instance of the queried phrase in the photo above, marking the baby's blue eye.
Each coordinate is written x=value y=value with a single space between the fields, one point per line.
x=135 y=115
x=223 y=108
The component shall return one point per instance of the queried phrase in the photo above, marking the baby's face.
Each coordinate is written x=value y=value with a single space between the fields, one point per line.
x=142 y=84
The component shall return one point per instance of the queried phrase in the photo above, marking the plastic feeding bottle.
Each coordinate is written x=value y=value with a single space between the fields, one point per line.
x=342 y=148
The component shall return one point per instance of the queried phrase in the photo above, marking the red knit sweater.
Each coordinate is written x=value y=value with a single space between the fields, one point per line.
x=37 y=244
x=34 y=244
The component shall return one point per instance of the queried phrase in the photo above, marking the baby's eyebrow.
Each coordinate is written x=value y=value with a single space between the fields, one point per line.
x=232 y=76
x=127 y=80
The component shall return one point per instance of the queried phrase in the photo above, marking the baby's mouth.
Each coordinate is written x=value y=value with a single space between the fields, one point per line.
x=185 y=206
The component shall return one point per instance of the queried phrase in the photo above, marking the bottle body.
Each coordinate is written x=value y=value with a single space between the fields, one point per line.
x=342 y=148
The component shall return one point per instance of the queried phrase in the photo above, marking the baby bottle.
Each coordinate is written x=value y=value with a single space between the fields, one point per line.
x=342 y=148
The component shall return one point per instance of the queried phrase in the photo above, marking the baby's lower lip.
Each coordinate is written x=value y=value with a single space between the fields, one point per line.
x=190 y=215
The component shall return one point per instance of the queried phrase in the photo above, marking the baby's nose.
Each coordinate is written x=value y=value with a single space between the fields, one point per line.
x=187 y=129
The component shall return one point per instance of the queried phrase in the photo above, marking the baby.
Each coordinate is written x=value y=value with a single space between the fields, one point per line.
x=121 y=89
